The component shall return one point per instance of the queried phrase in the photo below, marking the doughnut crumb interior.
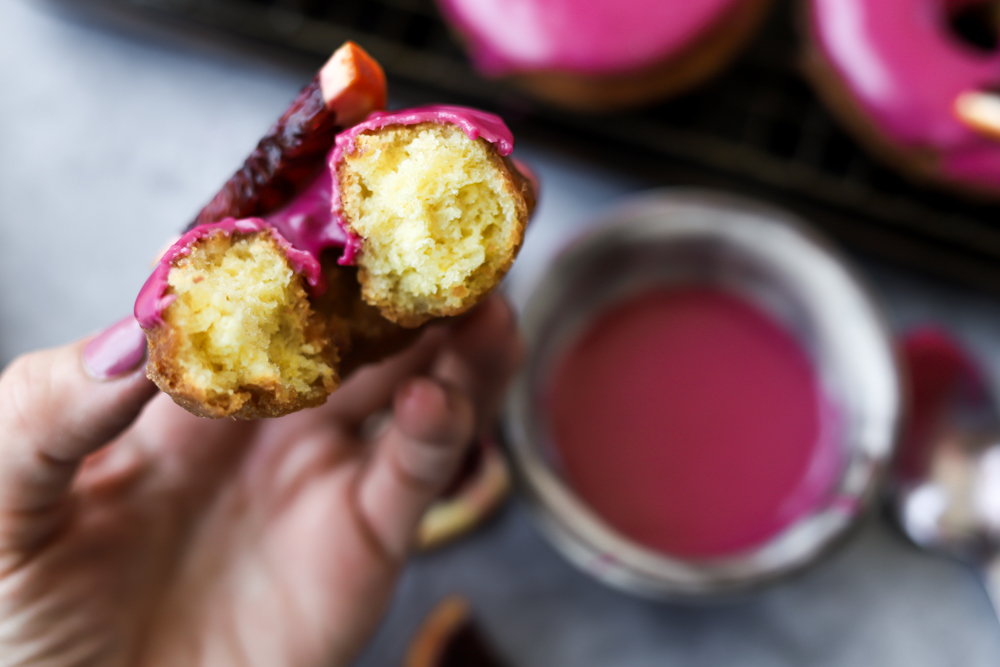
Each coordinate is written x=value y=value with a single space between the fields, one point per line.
x=242 y=338
x=441 y=217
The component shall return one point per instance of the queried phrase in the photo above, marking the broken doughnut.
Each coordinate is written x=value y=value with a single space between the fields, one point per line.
x=325 y=252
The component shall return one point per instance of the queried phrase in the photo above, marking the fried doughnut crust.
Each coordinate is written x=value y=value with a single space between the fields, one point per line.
x=261 y=350
x=360 y=333
x=345 y=90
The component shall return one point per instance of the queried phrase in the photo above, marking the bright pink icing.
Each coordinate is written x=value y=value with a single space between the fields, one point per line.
x=587 y=36
x=153 y=298
x=312 y=221
x=905 y=69
x=309 y=224
x=692 y=423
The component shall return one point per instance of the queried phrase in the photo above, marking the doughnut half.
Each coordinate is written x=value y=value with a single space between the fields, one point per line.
x=230 y=326
x=321 y=255
x=437 y=210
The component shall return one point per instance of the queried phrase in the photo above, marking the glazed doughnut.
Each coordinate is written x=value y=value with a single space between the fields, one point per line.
x=603 y=55
x=260 y=316
x=909 y=88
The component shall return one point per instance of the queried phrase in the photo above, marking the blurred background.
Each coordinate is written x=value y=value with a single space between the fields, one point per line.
x=120 y=118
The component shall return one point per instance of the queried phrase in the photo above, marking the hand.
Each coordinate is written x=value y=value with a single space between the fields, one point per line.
x=176 y=540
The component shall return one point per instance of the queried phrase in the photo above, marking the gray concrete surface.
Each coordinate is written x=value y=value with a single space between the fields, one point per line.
x=111 y=140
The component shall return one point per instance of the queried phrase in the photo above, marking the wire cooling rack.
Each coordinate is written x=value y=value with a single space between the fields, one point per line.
x=757 y=128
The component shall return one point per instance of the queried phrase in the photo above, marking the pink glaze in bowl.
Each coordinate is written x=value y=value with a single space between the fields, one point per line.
x=708 y=399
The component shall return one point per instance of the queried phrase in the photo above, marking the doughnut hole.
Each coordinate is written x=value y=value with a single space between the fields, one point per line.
x=244 y=336
x=438 y=216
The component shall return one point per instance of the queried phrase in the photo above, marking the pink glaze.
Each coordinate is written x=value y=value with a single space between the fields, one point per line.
x=529 y=174
x=153 y=298
x=588 y=36
x=905 y=69
x=692 y=423
x=309 y=223
x=473 y=122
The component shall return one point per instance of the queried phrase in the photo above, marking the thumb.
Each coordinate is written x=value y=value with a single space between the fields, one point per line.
x=57 y=406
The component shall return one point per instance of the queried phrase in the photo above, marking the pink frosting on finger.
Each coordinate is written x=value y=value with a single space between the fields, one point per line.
x=585 y=36
x=905 y=69
x=153 y=298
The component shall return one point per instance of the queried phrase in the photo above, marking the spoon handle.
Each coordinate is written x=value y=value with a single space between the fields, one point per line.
x=991 y=578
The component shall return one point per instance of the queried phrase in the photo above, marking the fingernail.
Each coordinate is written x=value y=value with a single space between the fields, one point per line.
x=116 y=350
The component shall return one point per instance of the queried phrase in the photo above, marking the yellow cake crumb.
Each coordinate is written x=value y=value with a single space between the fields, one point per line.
x=239 y=323
x=437 y=215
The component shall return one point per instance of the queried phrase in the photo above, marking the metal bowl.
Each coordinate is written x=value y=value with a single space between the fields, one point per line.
x=766 y=256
